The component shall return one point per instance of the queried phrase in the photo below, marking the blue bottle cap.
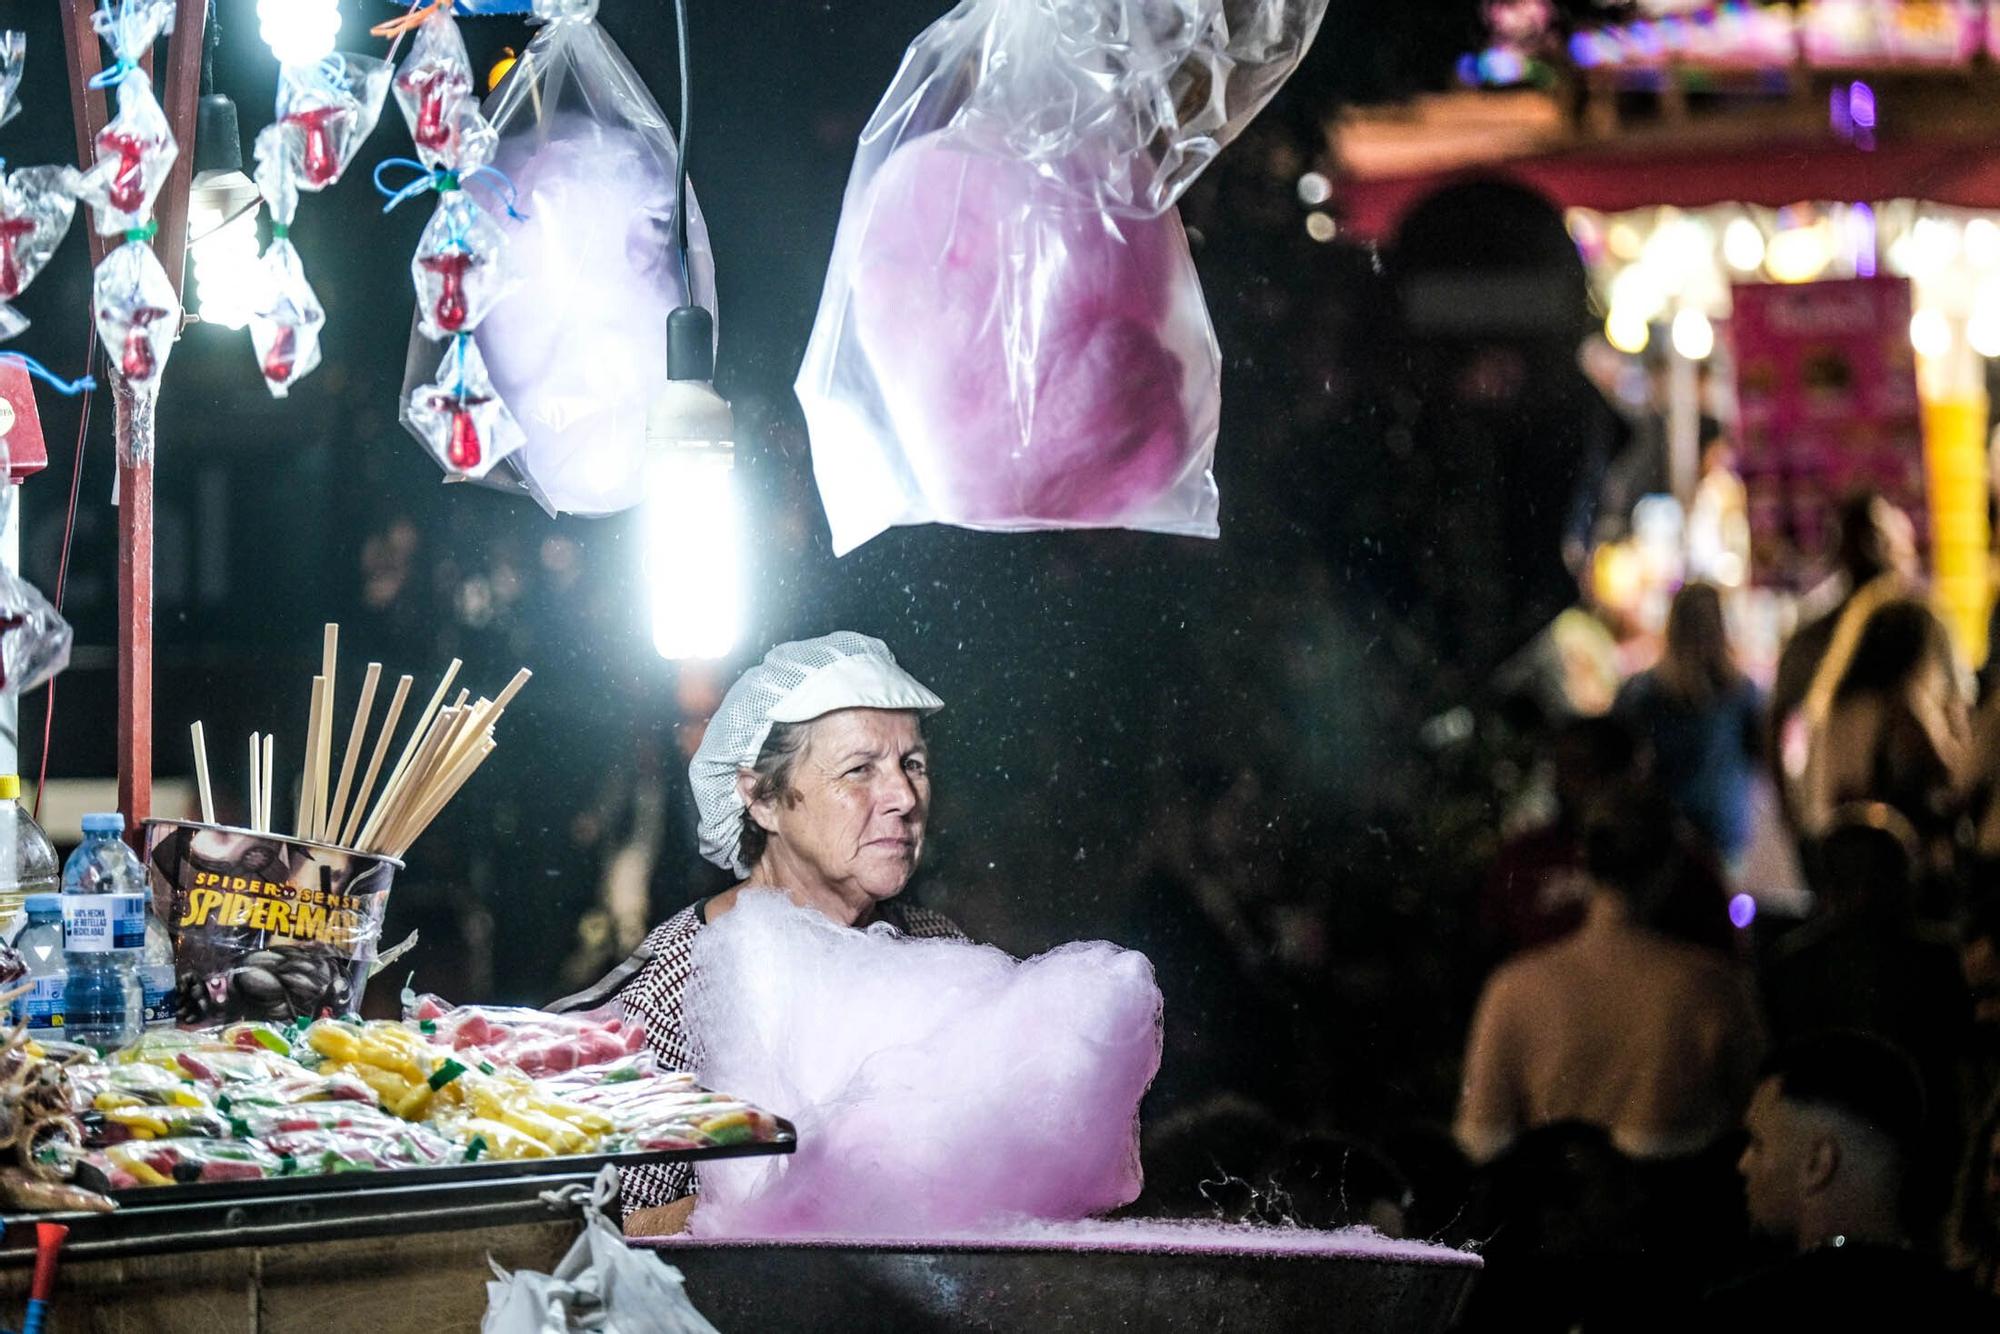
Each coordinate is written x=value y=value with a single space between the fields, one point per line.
x=104 y=822
x=48 y=903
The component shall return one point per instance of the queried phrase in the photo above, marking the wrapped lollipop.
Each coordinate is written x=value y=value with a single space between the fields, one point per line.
x=329 y=109
x=434 y=88
x=35 y=213
x=285 y=326
x=458 y=416
x=138 y=317
x=34 y=638
x=457 y=267
x=135 y=150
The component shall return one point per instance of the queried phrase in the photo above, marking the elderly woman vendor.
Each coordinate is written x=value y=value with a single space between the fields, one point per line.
x=812 y=779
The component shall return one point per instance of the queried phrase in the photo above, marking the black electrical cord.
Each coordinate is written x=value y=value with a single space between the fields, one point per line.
x=681 y=175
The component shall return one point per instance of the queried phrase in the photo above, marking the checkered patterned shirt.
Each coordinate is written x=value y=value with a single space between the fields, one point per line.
x=654 y=995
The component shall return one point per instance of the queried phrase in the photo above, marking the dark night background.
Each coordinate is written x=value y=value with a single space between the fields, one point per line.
x=1139 y=728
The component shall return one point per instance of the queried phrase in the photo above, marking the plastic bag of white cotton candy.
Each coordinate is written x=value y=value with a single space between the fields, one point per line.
x=935 y=1084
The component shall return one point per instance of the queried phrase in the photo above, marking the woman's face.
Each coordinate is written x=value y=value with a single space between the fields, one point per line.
x=861 y=792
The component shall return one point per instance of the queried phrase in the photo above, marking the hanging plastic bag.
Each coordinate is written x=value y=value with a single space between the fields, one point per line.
x=34 y=638
x=579 y=350
x=328 y=110
x=601 y=1284
x=286 y=324
x=13 y=55
x=1012 y=334
x=35 y=213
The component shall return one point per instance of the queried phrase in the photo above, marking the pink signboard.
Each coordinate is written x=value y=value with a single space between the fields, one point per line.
x=1826 y=384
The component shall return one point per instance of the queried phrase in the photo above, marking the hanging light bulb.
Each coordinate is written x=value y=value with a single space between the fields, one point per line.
x=299 y=32
x=1693 y=335
x=222 y=219
x=692 y=516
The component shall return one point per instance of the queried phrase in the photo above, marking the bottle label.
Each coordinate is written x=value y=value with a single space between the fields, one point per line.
x=156 y=983
x=42 y=1007
x=103 y=923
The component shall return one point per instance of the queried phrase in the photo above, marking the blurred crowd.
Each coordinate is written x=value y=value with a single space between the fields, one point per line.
x=1677 y=1100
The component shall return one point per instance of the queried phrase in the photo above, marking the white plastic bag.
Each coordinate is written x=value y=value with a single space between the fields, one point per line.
x=580 y=349
x=1012 y=334
x=601 y=1284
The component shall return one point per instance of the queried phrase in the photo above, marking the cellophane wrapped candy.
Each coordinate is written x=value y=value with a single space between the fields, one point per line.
x=34 y=638
x=138 y=317
x=135 y=150
x=35 y=213
x=285 y=325
x=459 y=417
x=434 y=89
x=457 y=268
x=328 y=110
x=1012 y=334
x=579 y=349
x=13 y=53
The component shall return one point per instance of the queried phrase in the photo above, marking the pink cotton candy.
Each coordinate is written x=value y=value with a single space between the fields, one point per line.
x=1041 y=362
x=935 y=1084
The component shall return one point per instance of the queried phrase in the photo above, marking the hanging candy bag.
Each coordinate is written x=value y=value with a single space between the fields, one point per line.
x=579 y=350
x=1012 y=334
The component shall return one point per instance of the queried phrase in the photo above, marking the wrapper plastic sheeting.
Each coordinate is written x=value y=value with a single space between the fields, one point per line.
x=534 y=1042
x=434 y=89
x=326 y=112
x=135 y=151
x=458 y=417
x=13 y=54
x=579 y=350
x=34 y=638
x=138 y=314
x=286 y=321
x=934 y=1083
x=458 y=267
x=35 y=214
x=600 y=1284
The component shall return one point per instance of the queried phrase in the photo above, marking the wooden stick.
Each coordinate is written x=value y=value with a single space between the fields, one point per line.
x=521 y=678
x=256 y=781
x=308 y=801
x=352 y=827
x=409 y=751
x=395 y=797
x=329 y=663
x=201 y=774
x=441 y=795
x=270 y=768
x=336 y=814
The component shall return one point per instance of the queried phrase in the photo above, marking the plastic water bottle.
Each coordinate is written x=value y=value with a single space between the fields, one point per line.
x=27 y=858
x=41 y=946
x=104 y=935
x=156 y=966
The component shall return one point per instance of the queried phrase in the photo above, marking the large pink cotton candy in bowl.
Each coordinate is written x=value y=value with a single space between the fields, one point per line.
x=935 y=1084
x=1043 y=363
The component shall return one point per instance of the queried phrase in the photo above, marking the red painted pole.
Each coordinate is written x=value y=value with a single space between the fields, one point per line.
x=135 y=480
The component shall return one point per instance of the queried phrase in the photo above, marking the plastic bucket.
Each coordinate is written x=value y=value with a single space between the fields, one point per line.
x=266 y=927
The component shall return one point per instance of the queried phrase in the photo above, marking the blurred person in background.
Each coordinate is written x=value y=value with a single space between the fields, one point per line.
x=1972 y=1233
x=1872 y=537
x=1866 y=963
x=1835 y=1123
x=1979 y=960
x=1698 y=718
x=1620 y=1025
x=1888 y=721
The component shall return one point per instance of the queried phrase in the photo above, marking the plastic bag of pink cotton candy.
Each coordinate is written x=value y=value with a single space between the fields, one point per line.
x=935 y=1084
x=1012 y=333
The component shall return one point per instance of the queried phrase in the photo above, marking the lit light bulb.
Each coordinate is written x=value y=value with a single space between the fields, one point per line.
x=299 y=32
x=1321 y=226
x=1314 y=189
x=1983 y=331
x=1930 y=333
x=1743 y=245
x=1627 y=330
x=1982 y=243
x=1799 y=254
x=1693 y=335
x=222 y=231
x=694 y=547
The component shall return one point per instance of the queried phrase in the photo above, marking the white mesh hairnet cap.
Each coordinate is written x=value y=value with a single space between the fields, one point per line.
x=795 y=683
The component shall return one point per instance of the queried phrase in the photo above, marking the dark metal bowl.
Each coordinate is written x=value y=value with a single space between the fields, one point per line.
x=1311 y=1281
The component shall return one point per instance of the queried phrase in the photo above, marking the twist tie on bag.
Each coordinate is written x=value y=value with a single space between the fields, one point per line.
x=67 y=388
x=144 y=235
x=444 y=180
x=116 y=72
x=280 y=231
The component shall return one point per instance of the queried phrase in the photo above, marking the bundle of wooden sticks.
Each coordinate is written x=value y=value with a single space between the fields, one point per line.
x=444 y=750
